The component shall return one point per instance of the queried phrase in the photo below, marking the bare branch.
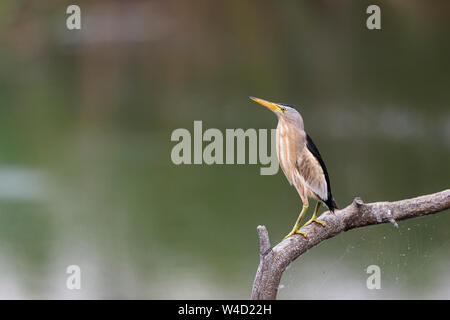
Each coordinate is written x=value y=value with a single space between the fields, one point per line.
x=274 y=261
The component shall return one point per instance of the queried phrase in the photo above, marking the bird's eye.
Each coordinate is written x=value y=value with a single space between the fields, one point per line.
x=283 y=109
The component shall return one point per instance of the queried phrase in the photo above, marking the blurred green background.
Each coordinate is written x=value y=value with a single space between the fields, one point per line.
x=86 y=117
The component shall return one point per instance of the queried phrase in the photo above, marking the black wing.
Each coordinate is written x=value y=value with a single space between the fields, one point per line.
x=331 y=204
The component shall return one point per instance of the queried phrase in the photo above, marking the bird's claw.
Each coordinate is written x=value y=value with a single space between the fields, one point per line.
x=296 y=232
x=317 y=221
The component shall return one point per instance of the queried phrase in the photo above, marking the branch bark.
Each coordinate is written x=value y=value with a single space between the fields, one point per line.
x=273 y=261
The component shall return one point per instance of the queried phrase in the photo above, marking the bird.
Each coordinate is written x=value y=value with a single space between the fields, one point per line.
x=301 y=162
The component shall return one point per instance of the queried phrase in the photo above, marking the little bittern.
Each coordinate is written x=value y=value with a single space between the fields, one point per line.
x=300 y=161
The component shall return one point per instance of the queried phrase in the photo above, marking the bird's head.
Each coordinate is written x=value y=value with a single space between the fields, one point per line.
x=282 y=111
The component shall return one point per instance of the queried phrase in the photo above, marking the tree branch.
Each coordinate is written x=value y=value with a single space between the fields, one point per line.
x=273 y=261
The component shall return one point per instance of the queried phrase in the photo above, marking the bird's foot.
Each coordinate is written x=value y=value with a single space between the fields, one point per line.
x=295 y=231
x=317 y=221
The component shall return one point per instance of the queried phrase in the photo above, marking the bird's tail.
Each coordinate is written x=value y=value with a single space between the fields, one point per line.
x=332 y=205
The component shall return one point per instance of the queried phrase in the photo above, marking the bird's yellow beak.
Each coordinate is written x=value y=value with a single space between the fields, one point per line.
x=272 y=106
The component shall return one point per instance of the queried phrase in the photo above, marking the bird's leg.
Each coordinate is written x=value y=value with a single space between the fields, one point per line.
x=297 y=224
x=314 y=217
